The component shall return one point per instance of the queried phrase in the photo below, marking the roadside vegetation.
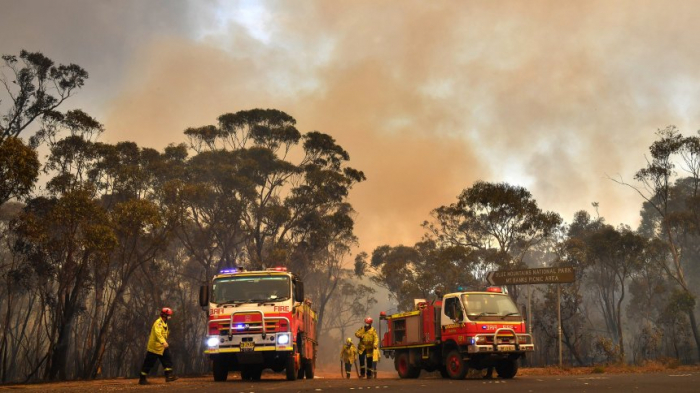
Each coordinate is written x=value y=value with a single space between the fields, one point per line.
x=118 y=231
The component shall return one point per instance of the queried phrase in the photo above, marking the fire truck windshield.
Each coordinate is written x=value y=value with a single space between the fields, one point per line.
x=251 y=289
x=490 y=306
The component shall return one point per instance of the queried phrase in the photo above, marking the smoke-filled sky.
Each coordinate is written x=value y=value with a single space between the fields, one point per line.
x=426 y=96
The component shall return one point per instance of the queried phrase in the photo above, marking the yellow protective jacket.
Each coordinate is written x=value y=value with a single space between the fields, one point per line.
x=368 y=340
x=348 y=353
x=158 y=337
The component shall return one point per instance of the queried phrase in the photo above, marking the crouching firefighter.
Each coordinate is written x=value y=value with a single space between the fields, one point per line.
x=347 y=356
x=369 y=340
x=158 y=348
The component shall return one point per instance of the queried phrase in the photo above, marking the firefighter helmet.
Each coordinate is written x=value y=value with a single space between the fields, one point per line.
x=348 y=341
x=166 y=311
x=368 y=320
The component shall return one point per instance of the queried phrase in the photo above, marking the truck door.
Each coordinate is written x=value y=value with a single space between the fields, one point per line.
x=452 y=311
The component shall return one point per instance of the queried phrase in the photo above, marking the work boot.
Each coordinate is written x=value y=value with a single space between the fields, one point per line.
x=347 y=376
x=169 y=377
x=142 y=380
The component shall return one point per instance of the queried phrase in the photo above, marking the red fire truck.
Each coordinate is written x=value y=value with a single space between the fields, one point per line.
x=463 y=330
x=259 y=320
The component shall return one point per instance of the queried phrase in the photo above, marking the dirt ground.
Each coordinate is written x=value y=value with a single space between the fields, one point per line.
x=126 y=384
x=199 y=383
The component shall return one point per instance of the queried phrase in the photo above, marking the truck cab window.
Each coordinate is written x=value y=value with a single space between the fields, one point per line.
x=453 y=309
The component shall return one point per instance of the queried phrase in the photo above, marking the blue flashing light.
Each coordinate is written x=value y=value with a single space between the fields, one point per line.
x=228 y=271
x=483 y=327
x=240 y=327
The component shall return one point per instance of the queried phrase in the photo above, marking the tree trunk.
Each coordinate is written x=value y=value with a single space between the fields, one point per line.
x=5 y=331
x=571 y=346
x=694 y=327
x=97 y=357
x=59 y=357
x=323 y=303
x=618 y=312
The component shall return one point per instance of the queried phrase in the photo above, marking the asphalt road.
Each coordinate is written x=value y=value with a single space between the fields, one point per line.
x=666 y=382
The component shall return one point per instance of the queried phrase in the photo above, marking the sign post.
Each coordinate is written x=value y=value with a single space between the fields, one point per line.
x=559 y=319
x=546 y=275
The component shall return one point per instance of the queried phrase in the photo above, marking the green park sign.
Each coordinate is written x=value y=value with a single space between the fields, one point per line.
x=546 y=275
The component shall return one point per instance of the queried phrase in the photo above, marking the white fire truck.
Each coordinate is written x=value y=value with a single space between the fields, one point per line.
x=259 y=320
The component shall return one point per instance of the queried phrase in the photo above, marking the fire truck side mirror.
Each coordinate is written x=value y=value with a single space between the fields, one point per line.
x=204 y=295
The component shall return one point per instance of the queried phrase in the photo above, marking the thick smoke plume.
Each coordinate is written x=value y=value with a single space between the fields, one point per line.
x=426 y=96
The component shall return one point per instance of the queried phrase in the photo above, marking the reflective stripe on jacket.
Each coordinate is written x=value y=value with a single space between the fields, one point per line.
x=368 y=340
x=348 y=353
x=158 y=337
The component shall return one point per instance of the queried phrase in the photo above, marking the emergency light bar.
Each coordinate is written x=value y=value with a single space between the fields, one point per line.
x=228 y=271
x=276 y=269
x=494 y=289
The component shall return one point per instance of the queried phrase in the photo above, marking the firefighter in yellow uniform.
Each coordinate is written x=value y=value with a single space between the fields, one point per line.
x=158 y=348
x=375 y=357
x=348 y=355
x=369 y=340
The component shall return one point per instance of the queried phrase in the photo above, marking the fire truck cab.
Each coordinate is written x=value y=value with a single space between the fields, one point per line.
x=259 y=320
x=462 y=330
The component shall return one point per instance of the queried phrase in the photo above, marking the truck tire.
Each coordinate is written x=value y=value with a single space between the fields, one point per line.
x=291 y=368
x=220 y=369
x=309 y=368
x=403 y=366
x=507 y=368
x=443 y=372
x=455 y=366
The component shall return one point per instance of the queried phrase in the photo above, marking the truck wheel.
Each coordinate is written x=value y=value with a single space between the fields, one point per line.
x=256 y=374
x=309 y=368
x=220 y=368
x=443 y=372
x=455 y=366
x=507 y=368
x=291 y=368
x=403 y=366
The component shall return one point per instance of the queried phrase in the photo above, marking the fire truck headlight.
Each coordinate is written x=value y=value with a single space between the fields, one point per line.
x=212 y=342
x=283 y=339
